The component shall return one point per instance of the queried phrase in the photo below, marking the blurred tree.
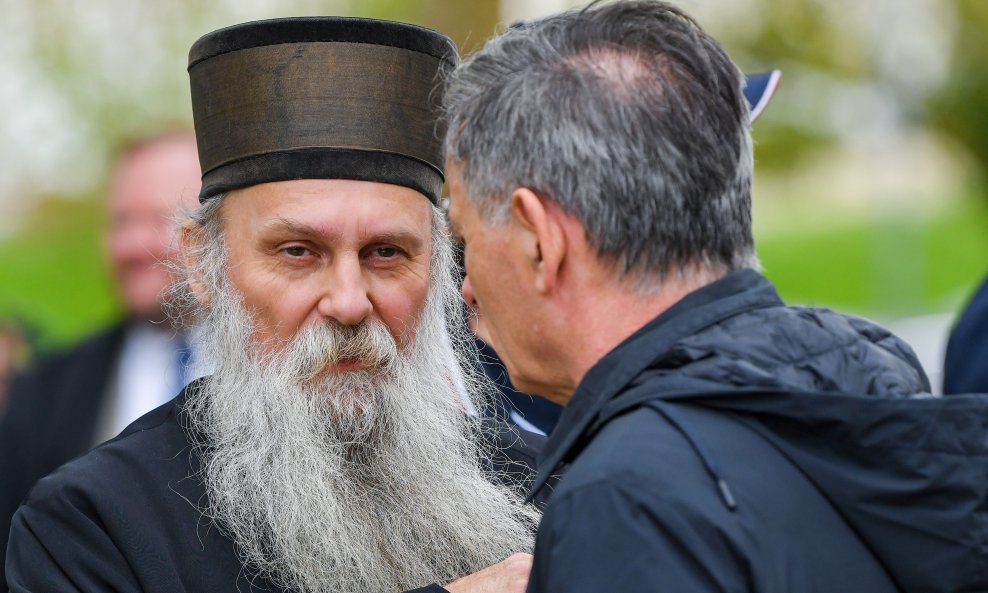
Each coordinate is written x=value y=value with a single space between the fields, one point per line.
x=960 y=107
x=469 y=24
x=853 y=71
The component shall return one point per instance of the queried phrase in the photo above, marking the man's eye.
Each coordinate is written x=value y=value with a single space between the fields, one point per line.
x=386 y=252
x=296 y=251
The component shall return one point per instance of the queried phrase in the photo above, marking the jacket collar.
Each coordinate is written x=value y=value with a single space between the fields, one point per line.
x=739 y=291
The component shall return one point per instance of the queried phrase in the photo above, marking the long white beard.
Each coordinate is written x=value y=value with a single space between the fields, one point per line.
x=362 y=481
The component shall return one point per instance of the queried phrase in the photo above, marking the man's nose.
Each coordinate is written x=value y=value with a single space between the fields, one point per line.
x=346 y=297
x=134 y=242
x=467 y=291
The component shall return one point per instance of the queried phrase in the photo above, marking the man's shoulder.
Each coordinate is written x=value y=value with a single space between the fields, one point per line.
x=798 y=349
x=153 y=448
x=637 y=451
x=637 y=511
x=102 y=343
x=57 y=379
x=131 y=512
x=522 y=445
x=677 y=457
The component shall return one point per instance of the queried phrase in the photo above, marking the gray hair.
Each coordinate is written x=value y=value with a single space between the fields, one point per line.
x=360 y=481
x=630 y=118
x=203 y=261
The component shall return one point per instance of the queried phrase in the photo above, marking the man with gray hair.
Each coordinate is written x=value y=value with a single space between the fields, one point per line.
x=329 y=449
x=714 y=439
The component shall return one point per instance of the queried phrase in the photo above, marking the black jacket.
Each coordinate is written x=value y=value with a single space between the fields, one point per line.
x=52 y=417
x=737 y=444
x=513 y=406
x=964 y=368
x=125 y=516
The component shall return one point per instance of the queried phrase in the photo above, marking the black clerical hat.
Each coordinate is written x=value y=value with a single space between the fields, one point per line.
x=320 y=98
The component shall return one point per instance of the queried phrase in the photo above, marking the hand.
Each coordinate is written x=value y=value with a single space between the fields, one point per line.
x=507 y=576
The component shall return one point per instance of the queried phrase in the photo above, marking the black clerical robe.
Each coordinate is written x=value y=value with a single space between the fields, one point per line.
x=53 y=417
x=124 y=517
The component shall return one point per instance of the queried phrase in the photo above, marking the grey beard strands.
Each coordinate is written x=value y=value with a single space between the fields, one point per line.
x=358 y=481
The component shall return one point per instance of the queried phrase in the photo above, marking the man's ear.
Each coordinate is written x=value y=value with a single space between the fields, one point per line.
x=540 y=236
x=190 y=243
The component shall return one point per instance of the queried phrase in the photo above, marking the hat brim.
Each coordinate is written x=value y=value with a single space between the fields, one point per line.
x=759 y=89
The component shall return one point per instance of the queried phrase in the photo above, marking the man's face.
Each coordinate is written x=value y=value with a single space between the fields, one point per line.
x=148 y=187
x=310 y=251
x=495 y=284
x=315 y=278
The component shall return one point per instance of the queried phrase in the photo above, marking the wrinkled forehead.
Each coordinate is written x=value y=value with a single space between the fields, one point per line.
x=331 y=208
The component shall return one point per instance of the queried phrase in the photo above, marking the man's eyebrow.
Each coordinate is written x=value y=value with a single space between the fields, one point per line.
x=401 y=236
x=295 y=227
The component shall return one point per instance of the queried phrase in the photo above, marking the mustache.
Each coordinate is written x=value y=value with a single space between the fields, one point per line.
x=318 y=347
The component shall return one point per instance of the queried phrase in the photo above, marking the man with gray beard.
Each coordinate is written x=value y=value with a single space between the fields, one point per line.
x=329 y=450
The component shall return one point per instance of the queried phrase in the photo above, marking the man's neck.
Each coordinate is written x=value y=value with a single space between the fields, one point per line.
x=607 y=313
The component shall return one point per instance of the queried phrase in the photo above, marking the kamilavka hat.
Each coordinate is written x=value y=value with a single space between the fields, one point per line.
x=320 y=98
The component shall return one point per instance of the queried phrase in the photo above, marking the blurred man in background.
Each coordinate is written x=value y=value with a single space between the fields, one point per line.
x=69 y=402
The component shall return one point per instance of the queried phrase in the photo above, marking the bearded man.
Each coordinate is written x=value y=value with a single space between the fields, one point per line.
x=329 y=450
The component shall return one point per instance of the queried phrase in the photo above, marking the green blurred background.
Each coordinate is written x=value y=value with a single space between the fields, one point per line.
x=870 y=193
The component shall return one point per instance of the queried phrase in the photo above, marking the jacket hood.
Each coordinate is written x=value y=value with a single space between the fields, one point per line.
x=841 y=398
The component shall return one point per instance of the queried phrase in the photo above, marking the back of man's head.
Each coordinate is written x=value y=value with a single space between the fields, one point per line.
x=630 y=118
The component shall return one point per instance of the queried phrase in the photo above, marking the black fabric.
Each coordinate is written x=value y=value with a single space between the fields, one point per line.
x=125 y=516
x=325 y=163
x=314 y=29
x=844 y=475
x=964 y=367
x=53 y=412
x=539 y=412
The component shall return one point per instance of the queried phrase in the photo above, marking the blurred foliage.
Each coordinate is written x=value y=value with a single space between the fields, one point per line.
x=53 y=271
x=960 y=107
x=889 y=267
x=117 y=73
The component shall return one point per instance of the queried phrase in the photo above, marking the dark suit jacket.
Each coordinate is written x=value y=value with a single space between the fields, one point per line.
x=51 y=418
x=964 y=368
